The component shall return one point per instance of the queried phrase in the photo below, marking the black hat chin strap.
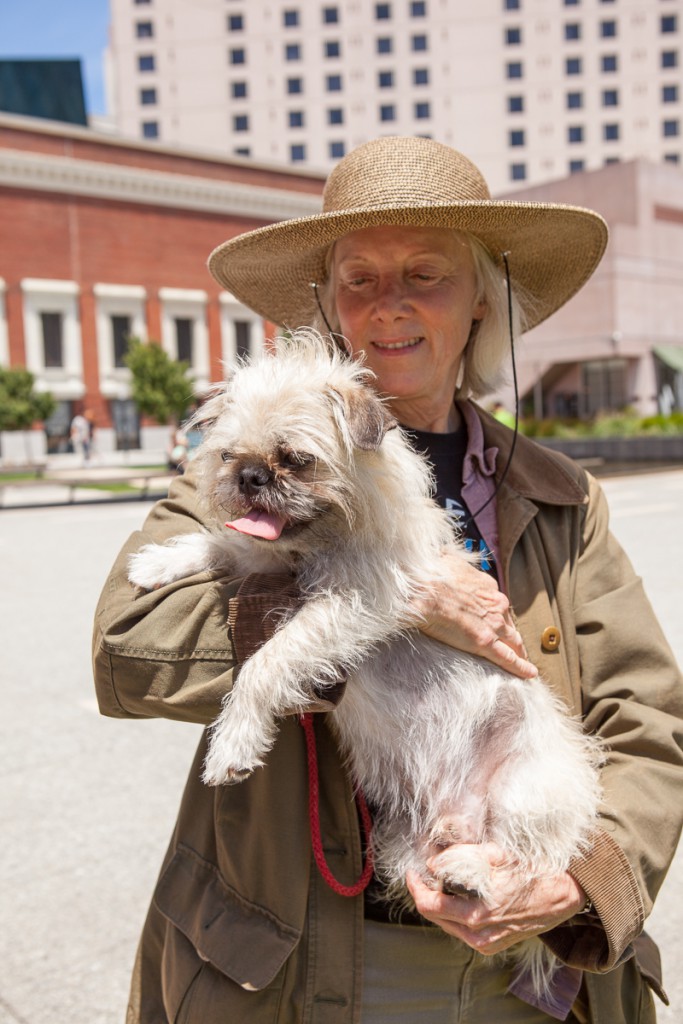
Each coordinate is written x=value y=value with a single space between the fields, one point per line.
x=338 y=339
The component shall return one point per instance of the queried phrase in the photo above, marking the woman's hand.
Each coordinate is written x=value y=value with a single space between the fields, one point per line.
x=514 y=912
x=466 y=610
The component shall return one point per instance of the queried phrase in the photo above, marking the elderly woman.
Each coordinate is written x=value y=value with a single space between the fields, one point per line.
x=415 y=268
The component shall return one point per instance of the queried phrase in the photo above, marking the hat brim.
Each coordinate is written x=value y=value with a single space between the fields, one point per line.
x=552 y=251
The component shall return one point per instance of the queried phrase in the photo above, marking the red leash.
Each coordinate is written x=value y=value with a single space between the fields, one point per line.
x=314 y=816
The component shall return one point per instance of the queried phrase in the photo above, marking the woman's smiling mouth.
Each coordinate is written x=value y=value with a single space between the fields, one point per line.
x=397 y=346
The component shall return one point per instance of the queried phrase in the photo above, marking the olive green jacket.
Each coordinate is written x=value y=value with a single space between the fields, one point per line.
x=242 y=927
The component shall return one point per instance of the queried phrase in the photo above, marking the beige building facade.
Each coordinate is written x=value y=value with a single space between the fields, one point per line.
x=532 y=90
x=619 y=342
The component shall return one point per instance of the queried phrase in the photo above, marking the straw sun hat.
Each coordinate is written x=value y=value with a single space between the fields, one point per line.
x=412 y=182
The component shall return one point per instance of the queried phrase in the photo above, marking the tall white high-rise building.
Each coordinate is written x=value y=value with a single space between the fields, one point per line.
x=531 y=90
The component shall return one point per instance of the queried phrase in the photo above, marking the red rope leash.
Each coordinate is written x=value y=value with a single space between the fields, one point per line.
x=314 y=816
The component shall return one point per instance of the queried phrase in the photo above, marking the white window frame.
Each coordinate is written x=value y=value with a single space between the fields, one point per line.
x=187 y=304
x=42 y=295
x=117 y=300
x=4 y=332
x=231 y=311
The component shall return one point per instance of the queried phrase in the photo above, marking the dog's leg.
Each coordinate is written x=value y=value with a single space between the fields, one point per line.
x=156 y=565
x=327 y=635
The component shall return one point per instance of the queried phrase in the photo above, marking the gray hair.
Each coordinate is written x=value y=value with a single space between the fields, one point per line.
x=484 y=361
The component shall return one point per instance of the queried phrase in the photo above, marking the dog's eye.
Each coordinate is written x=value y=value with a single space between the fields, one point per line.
x=296 y=460
x=226 y=455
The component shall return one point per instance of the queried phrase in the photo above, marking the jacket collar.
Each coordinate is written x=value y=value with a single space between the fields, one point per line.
x=536 y=473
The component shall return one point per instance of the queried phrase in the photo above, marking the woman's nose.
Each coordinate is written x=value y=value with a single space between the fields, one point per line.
x=390 y=298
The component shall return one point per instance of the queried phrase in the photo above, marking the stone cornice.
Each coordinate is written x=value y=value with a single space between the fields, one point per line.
x=116 y=183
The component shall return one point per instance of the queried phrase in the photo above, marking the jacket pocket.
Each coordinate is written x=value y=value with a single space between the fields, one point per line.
x=241 y=940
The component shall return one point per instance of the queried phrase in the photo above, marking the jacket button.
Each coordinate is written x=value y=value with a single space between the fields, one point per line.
x=550 y=640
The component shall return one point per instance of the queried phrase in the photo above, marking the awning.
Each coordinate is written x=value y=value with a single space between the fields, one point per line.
x=672 y=355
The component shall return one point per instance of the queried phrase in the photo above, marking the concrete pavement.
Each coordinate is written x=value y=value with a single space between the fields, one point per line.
x=87 y=804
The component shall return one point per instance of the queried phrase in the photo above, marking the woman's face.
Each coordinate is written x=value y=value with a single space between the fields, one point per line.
x=406 y=297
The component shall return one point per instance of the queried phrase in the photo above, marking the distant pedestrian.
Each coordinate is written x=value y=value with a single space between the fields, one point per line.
x=81 y=434
x=503 y=415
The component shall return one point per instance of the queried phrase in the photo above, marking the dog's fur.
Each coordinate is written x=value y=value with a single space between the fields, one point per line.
x=451 y=750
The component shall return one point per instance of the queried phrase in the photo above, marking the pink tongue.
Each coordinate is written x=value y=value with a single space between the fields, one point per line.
x=259 y=524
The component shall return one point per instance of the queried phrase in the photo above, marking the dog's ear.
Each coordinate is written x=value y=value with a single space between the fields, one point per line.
x=209 y=411
x=367 y=417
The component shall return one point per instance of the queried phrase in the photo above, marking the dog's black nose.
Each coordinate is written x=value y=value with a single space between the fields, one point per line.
x=252 y=478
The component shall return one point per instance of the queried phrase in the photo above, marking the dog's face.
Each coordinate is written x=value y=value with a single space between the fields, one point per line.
x=279 y=460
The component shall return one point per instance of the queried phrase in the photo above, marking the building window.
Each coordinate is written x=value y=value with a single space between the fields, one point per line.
x=669 y=59
x=296 y=118
x=242 y=339
x=242 y=151
x=670 y=128
x=387 y=112
x=576 y=166
x=144 y=29
x=330 y=15
x=235 y=23
x=297 y=152
x=238 y=56
x=672 y=158
x=418 y=9
x=669 y=94
x=184 y=331
x=120 y=332
x=148 y=96
x=422 y=110
x=515 y=104
x=150 y=129
x=238 y=90
x=384 y=44
x=293 y=51
x=420 y=76
x=668 y=23
x=574 y=100
x=513 y=36
x=512 y=5
x=336 y=150
x=240 y=123
x=333 y=83
x=610 y=132
x=572 y=31
x=53 y=341
x=575 y=133
x=573 y=66
x=146 y=62
x=332 y=49
x=513 y=69
x=517 y=172
x=382 y=11
x=610 y=97
x=608 y=29
x=385 y=79
x=516 y=137
x=609 y=62
x=571 y=3
x=294 y=85
x=418 y=44
x=290 y=19
x=335 y=115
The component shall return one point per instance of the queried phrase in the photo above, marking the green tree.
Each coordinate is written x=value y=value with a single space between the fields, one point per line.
x=161 y=386
x=20 y=405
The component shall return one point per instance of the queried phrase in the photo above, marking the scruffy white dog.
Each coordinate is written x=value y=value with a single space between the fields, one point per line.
x=315 y=477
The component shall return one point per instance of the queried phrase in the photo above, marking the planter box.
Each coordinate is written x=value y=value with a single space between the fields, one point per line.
x=619 y=449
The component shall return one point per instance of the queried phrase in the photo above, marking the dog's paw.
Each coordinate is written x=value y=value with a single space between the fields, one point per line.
x=462 y=870
x=223 y=775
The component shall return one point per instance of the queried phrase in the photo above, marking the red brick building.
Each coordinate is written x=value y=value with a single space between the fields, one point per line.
x=103 y=238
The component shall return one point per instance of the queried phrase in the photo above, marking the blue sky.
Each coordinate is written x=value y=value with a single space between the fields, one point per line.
x=72 y=28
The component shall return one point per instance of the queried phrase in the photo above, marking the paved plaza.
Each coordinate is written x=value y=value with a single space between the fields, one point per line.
x=87 y=804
